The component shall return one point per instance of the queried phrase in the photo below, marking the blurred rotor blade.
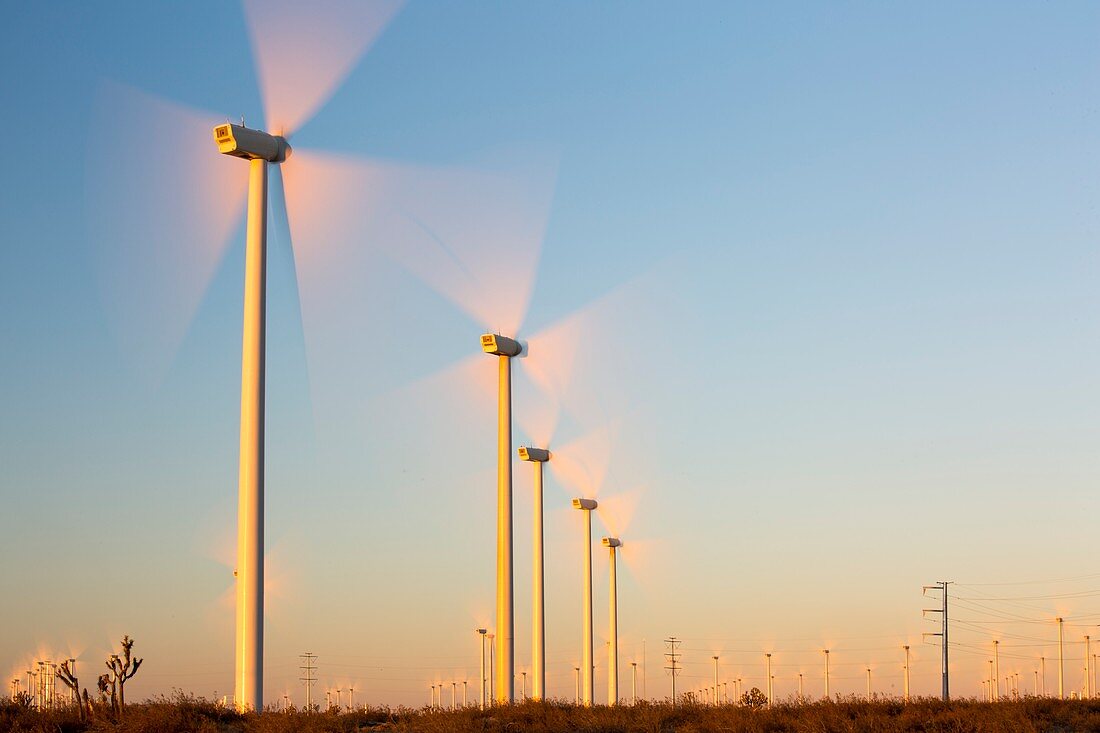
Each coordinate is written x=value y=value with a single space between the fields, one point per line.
x=341 y=291
x=449 y=412
x=617 y=511
x=647 y=562
x=472 y=235
x=585 y=360
x=304 y=50
x=162 y=204
x=580 y=466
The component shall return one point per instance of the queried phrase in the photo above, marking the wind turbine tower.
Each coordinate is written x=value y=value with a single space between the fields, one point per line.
x=587 y=506
x=504 y=348
x=538 y=456
x=613 y=634
x=258 y=148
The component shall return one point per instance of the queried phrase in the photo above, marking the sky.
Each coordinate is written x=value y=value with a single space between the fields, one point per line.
x=808 y=292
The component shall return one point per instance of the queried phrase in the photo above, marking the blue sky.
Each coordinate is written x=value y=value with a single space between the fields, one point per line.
x=842 y=264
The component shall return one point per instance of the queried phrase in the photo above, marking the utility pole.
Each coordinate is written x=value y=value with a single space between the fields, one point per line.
x=672 y=657
x=941 y=586
x=715 y=680
x=906 y=648
x=74 y=696
x=1088 y=669
x=768 y=660
x=1043 y=667
x=1061 y=663
x=996 y=670
x=308 y=669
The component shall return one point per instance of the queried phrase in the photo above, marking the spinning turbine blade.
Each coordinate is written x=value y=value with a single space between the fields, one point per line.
x=474 y=236
x=580 y=466
x=453 y=406
x=304 y=51
x=341 y=288
x=161 y=208
x=617 y=511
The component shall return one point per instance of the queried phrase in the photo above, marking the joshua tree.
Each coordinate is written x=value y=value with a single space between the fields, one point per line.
x=754 y=698
x=65 y=674
x=122 y=669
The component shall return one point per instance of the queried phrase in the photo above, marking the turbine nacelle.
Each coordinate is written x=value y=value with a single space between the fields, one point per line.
x=243 y=142
x=615 y=542
x=536 y=455
x=493 y=343
x=585 y=504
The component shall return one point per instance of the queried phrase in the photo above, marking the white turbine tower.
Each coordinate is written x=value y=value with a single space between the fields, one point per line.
x=504 y=349
x=613 y=627
x=587 y=506
x=259 y=149
x=538 y=456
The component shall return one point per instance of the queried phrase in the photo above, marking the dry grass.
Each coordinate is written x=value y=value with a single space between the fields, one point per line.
x=184 y=714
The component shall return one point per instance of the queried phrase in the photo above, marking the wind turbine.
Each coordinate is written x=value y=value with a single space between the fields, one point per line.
x=504 y=349
x=259 y=149
x=537 y=456
x=302 y=55
x=613 y=632
x=587 y=506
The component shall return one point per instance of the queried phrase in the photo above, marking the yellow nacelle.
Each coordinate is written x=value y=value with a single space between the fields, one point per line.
x=242 y=142
x=538 y=455
x=498 y=345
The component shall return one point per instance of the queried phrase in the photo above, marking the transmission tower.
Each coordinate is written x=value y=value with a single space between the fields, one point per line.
x=672 y=657
x=941 y=586
x=308 y=669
